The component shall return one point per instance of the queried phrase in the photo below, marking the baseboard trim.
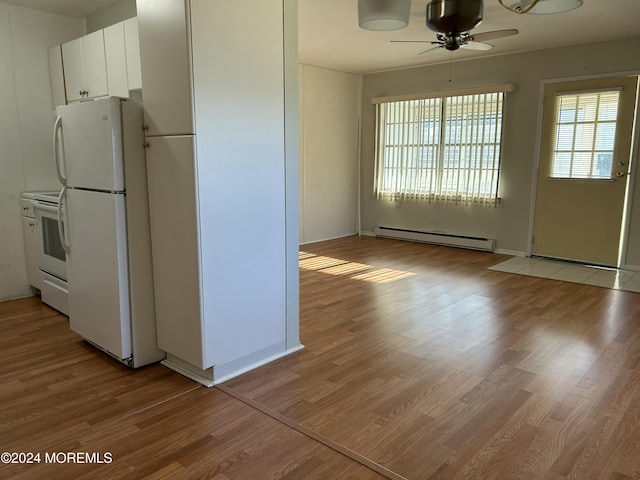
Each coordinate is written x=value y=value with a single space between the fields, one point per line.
x=438 y=238
x=329 y=238
x=515 y=253
x=635 y=268
x=221 y=373
x=203 y=377
x=234 y=369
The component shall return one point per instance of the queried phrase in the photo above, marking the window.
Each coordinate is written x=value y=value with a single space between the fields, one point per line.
x=585 y=130
x=442 y=148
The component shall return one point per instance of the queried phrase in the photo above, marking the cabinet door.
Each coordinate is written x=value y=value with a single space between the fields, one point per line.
x=132 y=46
x=31 y=248
x=85 y=70
x=175 y=248
x=94 y=65
x=166 y=68
x=116 y=60
x=57 y=76
x=73 y=69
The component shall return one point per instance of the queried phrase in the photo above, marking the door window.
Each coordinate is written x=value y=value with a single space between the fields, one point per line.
x=585 y=130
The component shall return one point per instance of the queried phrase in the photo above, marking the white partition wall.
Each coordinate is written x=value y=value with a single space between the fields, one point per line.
x=229 y=61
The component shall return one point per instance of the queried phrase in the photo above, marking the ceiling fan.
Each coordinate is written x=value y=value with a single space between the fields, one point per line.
x=452 y=20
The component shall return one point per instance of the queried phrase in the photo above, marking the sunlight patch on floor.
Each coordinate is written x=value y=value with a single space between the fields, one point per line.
x=356 y=271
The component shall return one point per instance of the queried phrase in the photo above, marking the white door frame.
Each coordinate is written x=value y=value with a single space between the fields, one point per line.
x=634 y=161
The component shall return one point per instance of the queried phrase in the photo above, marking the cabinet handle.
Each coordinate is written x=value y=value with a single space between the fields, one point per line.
x=146 y=144
x=83 y=93
x=31 y=224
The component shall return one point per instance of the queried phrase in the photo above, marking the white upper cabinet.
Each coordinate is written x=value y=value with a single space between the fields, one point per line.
x=74 y=70
x=85 y=69
x=95 y=67
x=116 y=59
x=106 y=62
x=122 y=50
x=165 y=35
x=132 y=47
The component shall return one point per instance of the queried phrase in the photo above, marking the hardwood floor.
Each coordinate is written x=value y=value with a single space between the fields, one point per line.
x=417 y=357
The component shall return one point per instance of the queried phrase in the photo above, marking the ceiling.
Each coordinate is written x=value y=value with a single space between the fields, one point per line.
x=329 y=35
x=75 y=8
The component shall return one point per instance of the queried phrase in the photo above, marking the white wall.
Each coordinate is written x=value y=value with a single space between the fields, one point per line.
x=111 y=15
x=509 y=222
x=25 y=126
x=329 y=112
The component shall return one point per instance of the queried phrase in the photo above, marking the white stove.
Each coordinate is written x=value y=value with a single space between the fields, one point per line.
x=47 y=197
x=52 y=259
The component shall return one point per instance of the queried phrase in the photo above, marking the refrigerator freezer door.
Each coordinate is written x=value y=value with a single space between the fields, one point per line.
x=99 y=305
x=91 y=137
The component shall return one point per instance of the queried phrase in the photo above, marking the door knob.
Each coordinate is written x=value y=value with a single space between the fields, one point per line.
x=622 y=174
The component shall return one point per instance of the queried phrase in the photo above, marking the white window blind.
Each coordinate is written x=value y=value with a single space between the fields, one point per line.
x=440 y=149
x=585 y=131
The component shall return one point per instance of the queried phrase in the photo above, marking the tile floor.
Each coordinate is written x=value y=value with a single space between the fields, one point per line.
x=572 y=272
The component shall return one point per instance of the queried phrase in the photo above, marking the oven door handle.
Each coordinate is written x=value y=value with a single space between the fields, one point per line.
x=61 y=200
x=57 y=126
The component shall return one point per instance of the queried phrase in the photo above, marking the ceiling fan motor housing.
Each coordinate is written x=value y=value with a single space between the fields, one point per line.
x=447 y=16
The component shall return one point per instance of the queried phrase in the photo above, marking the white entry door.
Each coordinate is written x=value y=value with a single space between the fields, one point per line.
x=583 y=169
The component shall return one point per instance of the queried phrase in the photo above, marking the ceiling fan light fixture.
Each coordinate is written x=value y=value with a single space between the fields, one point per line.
x=543 y=7
x=444 y=16
x=383 y=15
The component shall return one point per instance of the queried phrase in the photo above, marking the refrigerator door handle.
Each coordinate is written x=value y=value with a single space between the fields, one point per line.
x=65 y=246
x=57 y=126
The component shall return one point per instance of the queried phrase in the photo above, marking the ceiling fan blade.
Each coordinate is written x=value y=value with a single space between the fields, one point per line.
x=477 y=46
x=431 y=49
x=481 y=37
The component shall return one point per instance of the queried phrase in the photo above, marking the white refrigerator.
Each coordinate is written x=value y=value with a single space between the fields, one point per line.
x=100 y=157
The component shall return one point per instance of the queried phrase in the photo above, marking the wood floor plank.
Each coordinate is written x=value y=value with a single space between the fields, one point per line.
x=562 y=343
x=153 y=422
x=417 y=357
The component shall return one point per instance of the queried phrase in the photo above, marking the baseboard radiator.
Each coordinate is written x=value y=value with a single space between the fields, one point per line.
x=460 y=241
